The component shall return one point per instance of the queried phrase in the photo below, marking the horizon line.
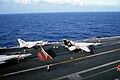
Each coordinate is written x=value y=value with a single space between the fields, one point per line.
x=56 y=12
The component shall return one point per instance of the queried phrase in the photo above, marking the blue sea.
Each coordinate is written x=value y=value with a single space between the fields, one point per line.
x=57 y=26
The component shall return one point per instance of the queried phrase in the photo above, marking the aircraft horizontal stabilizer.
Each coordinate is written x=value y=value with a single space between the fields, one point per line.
x=85 y=48
x=72 y=48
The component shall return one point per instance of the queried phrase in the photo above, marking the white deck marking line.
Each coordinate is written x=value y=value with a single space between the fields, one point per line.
x=26 y=70
x=31 y=69
x=100 y=73
x=97 y=67
x=104 y=52
x=75 y=77
x=94 y=68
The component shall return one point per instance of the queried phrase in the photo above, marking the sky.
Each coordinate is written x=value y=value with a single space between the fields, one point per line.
x=48 y=6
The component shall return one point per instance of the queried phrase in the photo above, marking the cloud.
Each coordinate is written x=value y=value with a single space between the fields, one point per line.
x=72 y=2
x=23 y=1
x=79 y=2
x=18 y=1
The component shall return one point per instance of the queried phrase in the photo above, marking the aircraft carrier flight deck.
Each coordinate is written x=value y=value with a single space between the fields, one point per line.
x=100 y=64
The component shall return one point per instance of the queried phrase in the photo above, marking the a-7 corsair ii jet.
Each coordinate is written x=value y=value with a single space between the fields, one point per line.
x=71 y=45
x=30 y=44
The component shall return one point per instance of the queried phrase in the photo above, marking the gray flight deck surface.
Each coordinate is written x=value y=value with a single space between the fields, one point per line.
x=99 y=65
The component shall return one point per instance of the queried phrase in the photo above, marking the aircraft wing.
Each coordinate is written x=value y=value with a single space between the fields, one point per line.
x=85 y=48
x=4 y=58
x=30 y=44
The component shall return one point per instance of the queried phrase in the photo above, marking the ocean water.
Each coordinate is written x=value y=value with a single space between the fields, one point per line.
x=57 y=26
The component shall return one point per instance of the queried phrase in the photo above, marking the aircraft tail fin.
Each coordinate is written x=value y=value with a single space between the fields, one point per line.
x=67 y=43
x=46 y=55
x=21 y=42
